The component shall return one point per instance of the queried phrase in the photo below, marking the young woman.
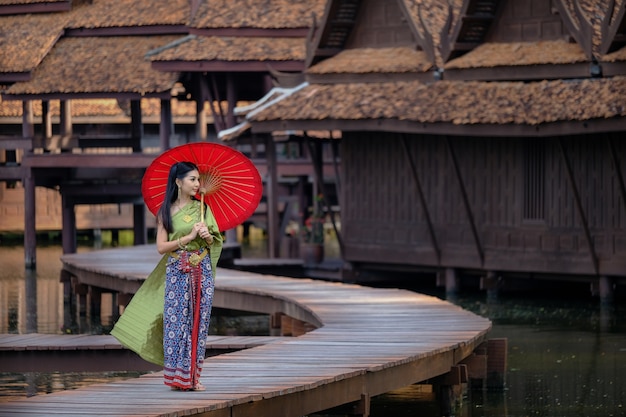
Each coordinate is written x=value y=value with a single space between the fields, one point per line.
x=183 y=282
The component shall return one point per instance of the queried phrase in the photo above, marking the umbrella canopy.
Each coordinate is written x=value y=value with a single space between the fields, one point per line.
x=231 y=182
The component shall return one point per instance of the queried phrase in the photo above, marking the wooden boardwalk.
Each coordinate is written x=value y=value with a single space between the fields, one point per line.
x=35 y=352
x=367 y=342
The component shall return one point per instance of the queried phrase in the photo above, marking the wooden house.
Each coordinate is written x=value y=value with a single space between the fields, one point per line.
x=479 y=137
x=215 y=54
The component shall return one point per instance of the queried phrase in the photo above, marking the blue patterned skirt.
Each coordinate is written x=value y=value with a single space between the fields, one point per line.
x=187 y=312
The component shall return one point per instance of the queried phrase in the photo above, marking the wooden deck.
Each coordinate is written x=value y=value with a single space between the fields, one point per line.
x=95 y=353
x=367 y=342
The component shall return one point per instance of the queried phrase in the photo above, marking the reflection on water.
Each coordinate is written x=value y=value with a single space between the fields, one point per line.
x=565 y=358
x=17 y=386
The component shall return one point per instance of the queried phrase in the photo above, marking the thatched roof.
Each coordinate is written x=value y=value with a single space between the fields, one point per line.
x=99 y=65
x=456 y=102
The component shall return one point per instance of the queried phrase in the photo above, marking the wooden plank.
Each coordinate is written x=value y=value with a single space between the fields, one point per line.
x=37 y=341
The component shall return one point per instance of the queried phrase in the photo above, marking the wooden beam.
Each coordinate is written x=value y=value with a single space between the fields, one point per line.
x=166 y=127
x=26 y=8
x=422 y=198
x=15 y=142
x=251 y=32
x=30 y=218
x=271 y=181
x=466 y=204
x=617 y=166
x=58 y=161
x=579 y=206
x=128 y=30
x=563 y=128
x=227 y=66
x=523 y=73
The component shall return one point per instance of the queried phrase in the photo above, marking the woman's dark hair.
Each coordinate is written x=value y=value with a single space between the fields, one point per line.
x=178 y=171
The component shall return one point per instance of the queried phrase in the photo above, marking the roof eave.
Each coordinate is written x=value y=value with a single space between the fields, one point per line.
x=561 y=128
x=372 y=77
x=251 y=32
x=128 y=31
x=14 y=77
x=224 y=66
x=14 y=9
x=86 y=96
x=520 y=72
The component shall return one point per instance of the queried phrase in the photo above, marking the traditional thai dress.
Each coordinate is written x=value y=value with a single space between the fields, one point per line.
x=167 y=320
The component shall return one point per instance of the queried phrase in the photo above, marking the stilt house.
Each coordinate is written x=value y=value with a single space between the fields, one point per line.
x=478 y=136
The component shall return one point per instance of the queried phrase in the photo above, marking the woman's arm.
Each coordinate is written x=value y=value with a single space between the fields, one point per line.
x=163 y=243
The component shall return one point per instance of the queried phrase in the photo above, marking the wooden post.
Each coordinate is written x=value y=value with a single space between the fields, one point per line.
x=28 y=126
x=65 y=112
x=68 y=233
x=496 y=363
x=30 y=292
x=231 y=99
x=46 y=121
x=201 y=121
x=166 y=124
x=276 y=323
x=81 y=293
x=605 y=285
x=140 y=230
x=69 y=303
x=95 y=305
x=273 y=238
x=30 y=220
x=452 y=281
x=136 y=125
x=491 y=284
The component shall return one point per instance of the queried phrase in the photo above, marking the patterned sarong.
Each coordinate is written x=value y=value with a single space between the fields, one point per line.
x=187 y=309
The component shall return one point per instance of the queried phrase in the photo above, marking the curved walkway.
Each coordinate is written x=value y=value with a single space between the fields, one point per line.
x=369 y=341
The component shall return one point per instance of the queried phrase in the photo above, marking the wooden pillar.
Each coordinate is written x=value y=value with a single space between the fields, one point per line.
x=201 y=121
x=68 y=233
x=452 y=282
x=30 y=220
x=28 y=126
x=69 y=303
x=271 y=188
x=65 y=113
x=139 y=225
x=302 y=197
x=491 y=284
x=231 y=99
x=166 y=124
x=276 y=322
x=46 y=121
x=136 y=125
x=30 y=292
x=115 y=307
x=95 y=305
x=605 y=285
x=82 y=291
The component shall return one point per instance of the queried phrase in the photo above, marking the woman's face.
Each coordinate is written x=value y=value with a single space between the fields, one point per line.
x=190 y=184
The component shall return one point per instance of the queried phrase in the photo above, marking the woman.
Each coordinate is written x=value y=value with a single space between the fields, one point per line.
x=183 y=284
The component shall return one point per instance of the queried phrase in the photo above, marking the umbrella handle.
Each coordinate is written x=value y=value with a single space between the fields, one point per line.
x=202 y=207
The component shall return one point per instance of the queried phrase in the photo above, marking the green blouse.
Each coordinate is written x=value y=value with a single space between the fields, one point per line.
x=140 y=328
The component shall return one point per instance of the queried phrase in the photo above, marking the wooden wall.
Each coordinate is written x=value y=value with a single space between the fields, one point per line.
x=528 y=21
x=518 y=191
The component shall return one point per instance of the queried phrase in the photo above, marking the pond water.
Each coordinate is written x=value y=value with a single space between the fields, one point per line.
x=566 y=356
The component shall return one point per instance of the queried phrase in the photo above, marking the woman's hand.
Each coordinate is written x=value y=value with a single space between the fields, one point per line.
x=197 y=230
x=203 y=231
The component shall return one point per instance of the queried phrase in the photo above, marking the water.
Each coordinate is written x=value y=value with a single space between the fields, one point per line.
x=566 y=357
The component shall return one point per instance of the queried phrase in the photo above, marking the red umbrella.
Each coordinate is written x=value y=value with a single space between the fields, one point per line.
x=231 y=181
